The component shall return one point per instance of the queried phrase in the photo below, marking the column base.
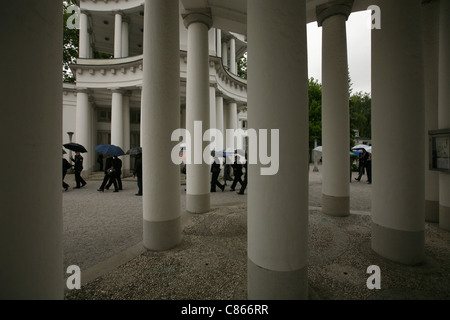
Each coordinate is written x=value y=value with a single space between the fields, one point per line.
x=336 y=206
x=444 y=217
x=162 y=235
x=264 y=284
x=431 y=211
x=406 y=247
x=198 y=203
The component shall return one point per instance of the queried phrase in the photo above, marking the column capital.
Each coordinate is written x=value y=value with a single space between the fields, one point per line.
x=329 y=9
x=117 y=90
x=202 y=15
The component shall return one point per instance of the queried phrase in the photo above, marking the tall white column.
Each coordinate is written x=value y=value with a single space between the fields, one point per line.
x=31 y=214
x=219 y=116
x=84 y=44
x=118 y=35
x=160 y=117
x=398 y=192
x=117 y=118
x=430 y=23
x=233 y=55
x=231 y=122
x=278 y=220
x=83 y=126
x=197 y=108
x=126 y=131
x=335 y=108
x=219 y=43
x=212 y=107
x=225 y=54
x=125 y=38
x=444 y=107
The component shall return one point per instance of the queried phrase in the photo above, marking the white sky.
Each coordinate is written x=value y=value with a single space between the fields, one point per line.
x=358 y=44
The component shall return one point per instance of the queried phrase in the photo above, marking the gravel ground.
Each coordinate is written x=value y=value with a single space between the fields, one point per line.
x=103 y=236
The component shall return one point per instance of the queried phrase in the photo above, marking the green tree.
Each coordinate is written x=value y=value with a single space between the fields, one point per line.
x=70 y=43
x=242 y=66
x=361 y=113
x=315 y=112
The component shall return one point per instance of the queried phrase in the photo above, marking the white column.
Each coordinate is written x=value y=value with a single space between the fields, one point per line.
x=398 y=191
x=83 y=127
x=118 y=35
x=31 y=223
x=219 y=116
x=212 y=107
x=125 y=38
x=444 y=107
x=430 y=23
x=225 y=54
x=160 y=117
x=219 y=43
x=231 y=113
x=84 y=44
x=335 y=108
x=278 y=219
x=126 y=132
x=233 y=55
x=117 y=118
x=197 y=109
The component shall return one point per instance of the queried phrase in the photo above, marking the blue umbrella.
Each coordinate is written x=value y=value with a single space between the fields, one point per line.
x=109 y=150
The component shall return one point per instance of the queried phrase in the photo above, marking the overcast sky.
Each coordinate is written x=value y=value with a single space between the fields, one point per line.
x=358 y=44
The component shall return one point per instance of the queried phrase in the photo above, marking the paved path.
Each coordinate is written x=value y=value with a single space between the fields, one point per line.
x=103 y=235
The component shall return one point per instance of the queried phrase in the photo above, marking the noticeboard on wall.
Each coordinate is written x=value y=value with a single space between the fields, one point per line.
x=440 y=150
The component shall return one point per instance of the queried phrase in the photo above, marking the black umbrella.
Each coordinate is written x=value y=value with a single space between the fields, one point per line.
x=134 y=151
x=109 y=150
x=76 y=147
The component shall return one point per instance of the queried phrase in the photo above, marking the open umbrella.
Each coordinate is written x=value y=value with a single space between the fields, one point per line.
x=109 y=150
x=134 y=151
x=361 y=146
x=76 y=147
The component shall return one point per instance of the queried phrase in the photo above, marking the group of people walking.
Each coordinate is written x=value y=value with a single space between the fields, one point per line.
x=238 y=169
x=112 y=170
x=365 y=164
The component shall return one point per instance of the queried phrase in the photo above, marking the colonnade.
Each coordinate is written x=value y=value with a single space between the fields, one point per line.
x=277 y=221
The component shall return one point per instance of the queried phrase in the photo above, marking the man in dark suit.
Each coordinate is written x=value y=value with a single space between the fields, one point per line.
x=110 y=175
x=117 y=164
x=244 y=185
x=78 y=167
x=65 y=166
x=237 y=171
x=138 y=173
x=215 y=170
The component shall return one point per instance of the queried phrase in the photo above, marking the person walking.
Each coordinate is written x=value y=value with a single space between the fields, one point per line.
x=65 y=166
x=237 y=172
x=110 y=175
x=78 y=167
x=138 y=173
x=362 y=163
x=117 y=164
x=244 y=185
x=215 y=170
x=369 y=168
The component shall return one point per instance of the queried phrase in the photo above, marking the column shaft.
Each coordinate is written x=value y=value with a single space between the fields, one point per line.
x=83 y=127
x=160 y=117
x=398 y=193
x=225 y=54
x=197 y=109
x=118 y=36
x=84 y=44
x=212 y=107
x=444 y=107
x=125 y=39
x=233 y=55
x=335 y=118
x=430 y=23
x=219 y=116
x=276 y=218
x=126 y=133
x=117 y=119
x=219 y=43
x=31 y=215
